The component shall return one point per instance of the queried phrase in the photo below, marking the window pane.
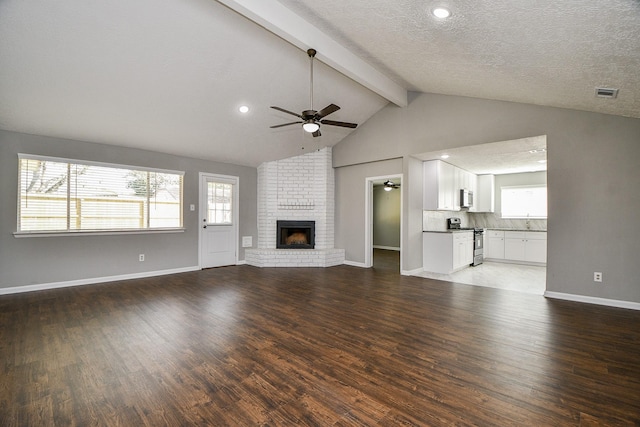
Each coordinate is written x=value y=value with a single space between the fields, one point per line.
x=219 y=203
x=165 y=208
x=43 y=195
x=57 y=196
x=108 y=198
x=524 y=202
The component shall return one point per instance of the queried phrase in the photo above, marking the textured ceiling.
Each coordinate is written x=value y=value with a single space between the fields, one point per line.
x=544 y=52
x=515 y=156
x=168 y=76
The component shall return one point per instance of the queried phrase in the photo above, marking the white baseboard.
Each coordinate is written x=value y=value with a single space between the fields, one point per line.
x=415 y=272
x=593 y=300
x=387 y=248
x=355 y=264
x=92 y=281
x=242 y=262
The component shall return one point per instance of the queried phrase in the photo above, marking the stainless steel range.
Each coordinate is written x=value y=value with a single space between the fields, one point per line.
x=478 y=239
x=478 y=246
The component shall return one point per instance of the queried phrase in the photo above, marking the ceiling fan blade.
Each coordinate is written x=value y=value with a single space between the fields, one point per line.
x=286 y=111
x=341 y=124
x=316 y=133
x=284 y=124
x=332 y=108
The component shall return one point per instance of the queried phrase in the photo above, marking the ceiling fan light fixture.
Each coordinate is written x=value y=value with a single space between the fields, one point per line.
x=310 y=126
x=389 y=185
x=311 y=118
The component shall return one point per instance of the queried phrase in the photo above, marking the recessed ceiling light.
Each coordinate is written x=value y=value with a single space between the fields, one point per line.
x=441 y=12
x=243 y=109
x=542 y=161
x=444 y=156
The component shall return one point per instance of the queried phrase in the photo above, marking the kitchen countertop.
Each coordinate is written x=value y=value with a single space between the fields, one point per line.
x=514 y=229
x=446 y=231
x=498 y=229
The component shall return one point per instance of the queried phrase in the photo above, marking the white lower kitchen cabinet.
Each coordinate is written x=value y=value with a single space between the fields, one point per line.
x=447 y=252
x=494 y=244
x=536 y=247
x=527 y=246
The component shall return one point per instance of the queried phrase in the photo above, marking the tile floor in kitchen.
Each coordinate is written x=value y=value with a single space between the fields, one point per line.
x=524 y=278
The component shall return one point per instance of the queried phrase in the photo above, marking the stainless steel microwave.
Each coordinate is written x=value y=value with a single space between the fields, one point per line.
x=466 y=198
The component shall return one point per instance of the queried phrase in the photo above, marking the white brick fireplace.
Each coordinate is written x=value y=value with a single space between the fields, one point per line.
x=299 y=188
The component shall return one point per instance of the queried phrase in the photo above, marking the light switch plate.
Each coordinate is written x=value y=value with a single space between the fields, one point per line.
x=192 y=207
x=247 y=241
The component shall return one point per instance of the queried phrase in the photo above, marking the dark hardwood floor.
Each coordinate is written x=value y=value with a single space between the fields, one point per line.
x=344 y=346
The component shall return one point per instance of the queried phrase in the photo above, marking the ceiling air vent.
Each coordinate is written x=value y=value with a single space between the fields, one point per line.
x=603 y=92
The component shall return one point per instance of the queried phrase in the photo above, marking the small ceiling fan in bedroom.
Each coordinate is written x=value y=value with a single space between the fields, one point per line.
x=312 y=119
x=390 y=185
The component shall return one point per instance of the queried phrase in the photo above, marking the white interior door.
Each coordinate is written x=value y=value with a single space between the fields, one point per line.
x=218 y=220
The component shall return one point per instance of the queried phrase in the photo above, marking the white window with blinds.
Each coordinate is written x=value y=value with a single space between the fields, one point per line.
x=62 y=195
x=524 y=201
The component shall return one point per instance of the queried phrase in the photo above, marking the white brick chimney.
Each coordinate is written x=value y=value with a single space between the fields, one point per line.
x=299 y=188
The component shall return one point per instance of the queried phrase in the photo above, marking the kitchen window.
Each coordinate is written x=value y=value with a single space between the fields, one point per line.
x=520 y=202
x=70 y=196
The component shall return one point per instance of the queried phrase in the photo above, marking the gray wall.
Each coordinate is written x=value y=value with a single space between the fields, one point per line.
x=350 y=213
x=386 y=217
x=592 y=171
x=41 y=260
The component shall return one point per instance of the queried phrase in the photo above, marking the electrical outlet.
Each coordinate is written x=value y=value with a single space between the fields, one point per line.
x=141 y=257
x=597 y=276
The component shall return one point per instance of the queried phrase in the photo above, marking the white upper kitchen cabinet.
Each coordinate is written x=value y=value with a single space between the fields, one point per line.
x=485 y=195
x=442 y=185
x=465 y=180
x=439 y=186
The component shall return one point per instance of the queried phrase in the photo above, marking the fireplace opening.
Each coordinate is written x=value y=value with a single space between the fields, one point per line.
x=295 y=234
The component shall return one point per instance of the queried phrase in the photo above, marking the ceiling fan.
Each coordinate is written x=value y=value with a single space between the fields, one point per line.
x=311 y=119
x=389 y=185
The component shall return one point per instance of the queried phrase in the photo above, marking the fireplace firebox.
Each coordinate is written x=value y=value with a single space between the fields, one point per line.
x=295 y=234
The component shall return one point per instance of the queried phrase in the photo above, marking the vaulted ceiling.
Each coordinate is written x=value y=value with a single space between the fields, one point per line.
x=169 y=76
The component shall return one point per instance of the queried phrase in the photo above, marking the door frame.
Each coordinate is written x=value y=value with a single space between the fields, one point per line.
x=235 y=181
x=368 y=220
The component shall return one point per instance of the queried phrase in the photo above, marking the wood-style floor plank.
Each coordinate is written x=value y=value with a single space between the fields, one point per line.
x=342 y=346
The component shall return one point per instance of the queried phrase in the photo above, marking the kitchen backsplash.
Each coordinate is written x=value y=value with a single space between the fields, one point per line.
x=437 y=221
x=493 y=220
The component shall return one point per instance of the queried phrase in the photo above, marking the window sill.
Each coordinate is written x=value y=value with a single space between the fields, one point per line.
x=23 y=234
